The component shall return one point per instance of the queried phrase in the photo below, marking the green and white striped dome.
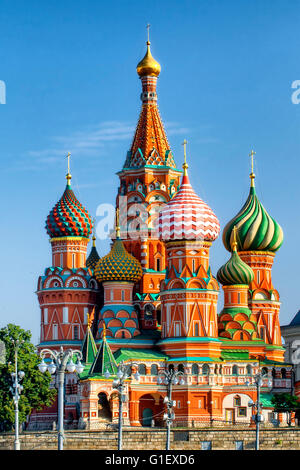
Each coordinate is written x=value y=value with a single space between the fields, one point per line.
x=256 y=229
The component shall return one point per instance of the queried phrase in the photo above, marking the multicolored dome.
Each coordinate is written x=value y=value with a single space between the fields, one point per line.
x=118 y=265
x=148 y=66
x=69 y=218
x=187 y=217
x=256 y=229
x=93 y=257
x=235 y=271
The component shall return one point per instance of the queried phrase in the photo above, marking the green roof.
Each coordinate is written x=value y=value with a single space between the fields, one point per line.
x=239 y=354
x=265 y=399
x=139 y=354
x=104 y=361
x=89 y=348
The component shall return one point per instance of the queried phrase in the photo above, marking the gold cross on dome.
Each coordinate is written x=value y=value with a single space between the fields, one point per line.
x=252 y=155
x=68 y=157
x=252 y=175
x=185 y=165
x=148 y=31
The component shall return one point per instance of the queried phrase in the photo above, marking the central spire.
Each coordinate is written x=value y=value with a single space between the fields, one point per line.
x=150 y=146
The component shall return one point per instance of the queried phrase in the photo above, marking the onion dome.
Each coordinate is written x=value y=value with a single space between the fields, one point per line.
x=148 y=66
x=186 y=216
x=118 y=265
x=235 y=271
x=68 y=218
x=256 y=229
x=93 y=257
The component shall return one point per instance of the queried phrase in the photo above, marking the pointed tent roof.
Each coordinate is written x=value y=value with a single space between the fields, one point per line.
x=104 y=360
x=89 y=348
x=296 y=320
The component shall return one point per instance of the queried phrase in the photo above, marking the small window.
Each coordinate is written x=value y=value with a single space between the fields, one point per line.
x=180 y=368
x=158 y=264
x=195 y=369
x=123 y=296
x=237 y=401
x=154 y=369
x=142 y=369
x=258 y=276
x=242 y=411
x=249 y=369
x=205 y=369
x=283 y=373
x=76 y=332
x=235 y=370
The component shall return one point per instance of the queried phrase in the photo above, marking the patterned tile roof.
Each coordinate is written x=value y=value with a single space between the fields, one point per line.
x=187 y=217
x=68 y=218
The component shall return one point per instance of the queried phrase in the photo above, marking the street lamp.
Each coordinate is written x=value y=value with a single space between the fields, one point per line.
x=61 y=362
x=257 y=405
x=119 y=384
x=16 y=390
x=169 y=378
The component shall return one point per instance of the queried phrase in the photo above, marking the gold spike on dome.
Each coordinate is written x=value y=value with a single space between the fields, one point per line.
x=148 y=66
x=252 y=175
x=185 y=165
x=68 y=175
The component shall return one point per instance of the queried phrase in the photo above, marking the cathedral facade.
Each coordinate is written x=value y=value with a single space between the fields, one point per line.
x=151 y=302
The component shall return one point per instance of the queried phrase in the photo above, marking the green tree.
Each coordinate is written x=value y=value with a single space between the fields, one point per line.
x=36 y=392
x=285 y=403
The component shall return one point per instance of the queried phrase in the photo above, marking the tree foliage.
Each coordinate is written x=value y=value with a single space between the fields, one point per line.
x=36 y=392
x=284 y=402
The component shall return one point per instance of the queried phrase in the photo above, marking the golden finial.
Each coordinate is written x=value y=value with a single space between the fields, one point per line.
x=68 y=175
x=104 y=331
x=234 y=242
x=94 y=232
x=252 y=175
x=117 y=224
x=148 y=66
x=185 y=165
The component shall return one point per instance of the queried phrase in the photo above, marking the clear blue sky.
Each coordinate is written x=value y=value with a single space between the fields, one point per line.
x=225 y=86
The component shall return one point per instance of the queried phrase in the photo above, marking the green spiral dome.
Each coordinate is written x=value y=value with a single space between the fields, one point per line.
x=235 y=271
x=256 y=229
x=118 y=265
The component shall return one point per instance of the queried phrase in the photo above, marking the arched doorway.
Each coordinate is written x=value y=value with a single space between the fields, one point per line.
x=147 y=417
x=104 y=411
x=151 y=407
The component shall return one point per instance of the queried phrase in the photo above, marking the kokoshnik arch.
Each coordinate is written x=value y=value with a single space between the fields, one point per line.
x=152 y=300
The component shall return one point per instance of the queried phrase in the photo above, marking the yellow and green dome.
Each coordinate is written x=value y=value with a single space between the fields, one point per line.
x=256 y=229
x=118 y=265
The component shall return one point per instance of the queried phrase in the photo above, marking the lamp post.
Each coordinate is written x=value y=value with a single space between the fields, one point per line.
x=16 y=390
x=119 y=384
x=257 y=405
x=169 y=378
x=61 y=362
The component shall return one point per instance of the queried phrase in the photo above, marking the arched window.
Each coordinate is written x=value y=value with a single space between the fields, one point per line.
x=142 y=369
x=283 y=373
x=249 y=369
x=158 y=314
x=205 y=369
x=196 y=329
x=220 y=369
x=154 y=369
x=273 y=372
x=75 y=332
x=171 y=367
x=128 y=370
x=235 y=370
x=195 y=369
x=264 y=371
x=180 y=368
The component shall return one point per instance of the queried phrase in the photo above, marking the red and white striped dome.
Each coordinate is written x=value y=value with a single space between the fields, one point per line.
x=187 y=217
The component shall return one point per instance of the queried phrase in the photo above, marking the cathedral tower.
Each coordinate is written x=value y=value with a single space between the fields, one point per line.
x=190 y=292
x=148 y=180
x=259 y=237
x=67 y=292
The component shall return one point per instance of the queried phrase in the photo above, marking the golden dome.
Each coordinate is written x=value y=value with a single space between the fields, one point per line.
x=148 y=65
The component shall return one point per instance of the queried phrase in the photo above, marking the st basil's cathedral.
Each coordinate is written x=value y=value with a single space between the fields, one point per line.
x=151 y=302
